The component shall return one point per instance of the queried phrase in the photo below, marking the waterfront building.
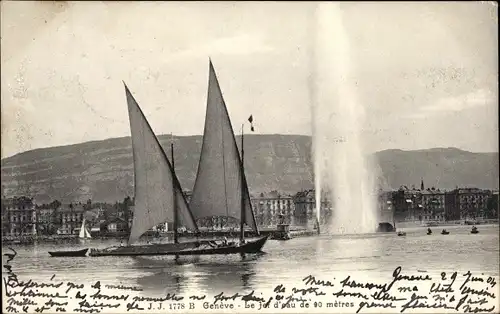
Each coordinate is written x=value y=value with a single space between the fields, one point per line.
x=400 y=205
x=305 y=208
x=413 y=197
x=407 y=204
x=452 y=206
x=385 y=207
x=46 y=223
x=126 y=214
x=433 y=205
x=5 y=220
x=466 y=203
x=97 y=227
x=116 y=227
x=20 y=214
x=70 y=218
x=268 y=207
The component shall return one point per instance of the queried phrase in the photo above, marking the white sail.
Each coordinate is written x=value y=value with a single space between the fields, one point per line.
x=155 y=182
x=87 y=234
x=219 y=181
x=82 y=230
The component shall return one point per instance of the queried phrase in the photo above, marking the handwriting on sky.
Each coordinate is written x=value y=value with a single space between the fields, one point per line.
x=462 y=292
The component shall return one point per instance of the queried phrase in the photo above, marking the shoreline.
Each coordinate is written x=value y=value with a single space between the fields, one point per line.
x=31 y=239
x=295 y=232
x=418 y=224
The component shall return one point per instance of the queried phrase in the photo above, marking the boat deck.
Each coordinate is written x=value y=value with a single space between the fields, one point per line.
x=202 y=247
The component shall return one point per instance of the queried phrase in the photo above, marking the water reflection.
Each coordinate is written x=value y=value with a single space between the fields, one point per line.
x=286 y=262
x=161 y=274
x=196 y=275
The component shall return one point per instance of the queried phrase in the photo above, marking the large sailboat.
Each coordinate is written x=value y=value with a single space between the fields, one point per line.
x=220 y=188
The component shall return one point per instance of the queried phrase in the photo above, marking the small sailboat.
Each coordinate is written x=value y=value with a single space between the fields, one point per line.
x=84 y=233
x=474 y=230
x=444 y=232
x=401 y=233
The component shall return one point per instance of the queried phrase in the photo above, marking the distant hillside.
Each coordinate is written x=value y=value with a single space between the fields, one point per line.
x=103 y=170
x=440 y=167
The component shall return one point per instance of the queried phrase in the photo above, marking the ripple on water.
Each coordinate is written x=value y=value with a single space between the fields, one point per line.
x=374 y=255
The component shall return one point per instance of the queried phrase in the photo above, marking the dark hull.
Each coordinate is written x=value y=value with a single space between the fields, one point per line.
x=251 y=247
x=445 y=233
x=385 y=227
x=79 y=253
x=147 y=249
x=184 y=248
x=474 y=232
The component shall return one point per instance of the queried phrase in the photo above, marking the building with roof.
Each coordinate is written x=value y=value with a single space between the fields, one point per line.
x=116 y=227
x=70 y=218
x=467 y=203
x=268 y=207
x=20 y=216
x=433 y=205
x=385 y=207
x=305 y=208
x=46 y=219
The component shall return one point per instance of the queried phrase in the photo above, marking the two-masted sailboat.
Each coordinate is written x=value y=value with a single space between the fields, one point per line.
x=220 y=187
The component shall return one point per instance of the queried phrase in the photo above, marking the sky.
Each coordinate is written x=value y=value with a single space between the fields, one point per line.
x=426 y=73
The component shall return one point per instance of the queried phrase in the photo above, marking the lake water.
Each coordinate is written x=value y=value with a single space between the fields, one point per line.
x=370 y=257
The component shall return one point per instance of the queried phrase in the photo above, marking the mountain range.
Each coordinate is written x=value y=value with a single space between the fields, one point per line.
x=103 y=170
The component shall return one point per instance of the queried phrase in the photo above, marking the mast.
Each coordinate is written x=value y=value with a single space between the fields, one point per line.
x=394 y=221
x=242 y=213
x=393 y=217
x=176 y=215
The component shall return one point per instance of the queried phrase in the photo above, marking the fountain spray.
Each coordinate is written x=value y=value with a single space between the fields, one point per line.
x=339 y=154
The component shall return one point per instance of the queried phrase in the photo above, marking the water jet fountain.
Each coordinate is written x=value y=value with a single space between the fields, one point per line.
x=340 y=161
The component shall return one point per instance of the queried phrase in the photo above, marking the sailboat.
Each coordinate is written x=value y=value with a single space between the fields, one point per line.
x=84 y=233
x=158 y=194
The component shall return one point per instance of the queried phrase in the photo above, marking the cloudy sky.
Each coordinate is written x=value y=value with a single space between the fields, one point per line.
x=426 y=73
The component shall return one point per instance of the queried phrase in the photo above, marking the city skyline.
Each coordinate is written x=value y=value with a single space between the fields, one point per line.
x=63 y=66
x=397 y=205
